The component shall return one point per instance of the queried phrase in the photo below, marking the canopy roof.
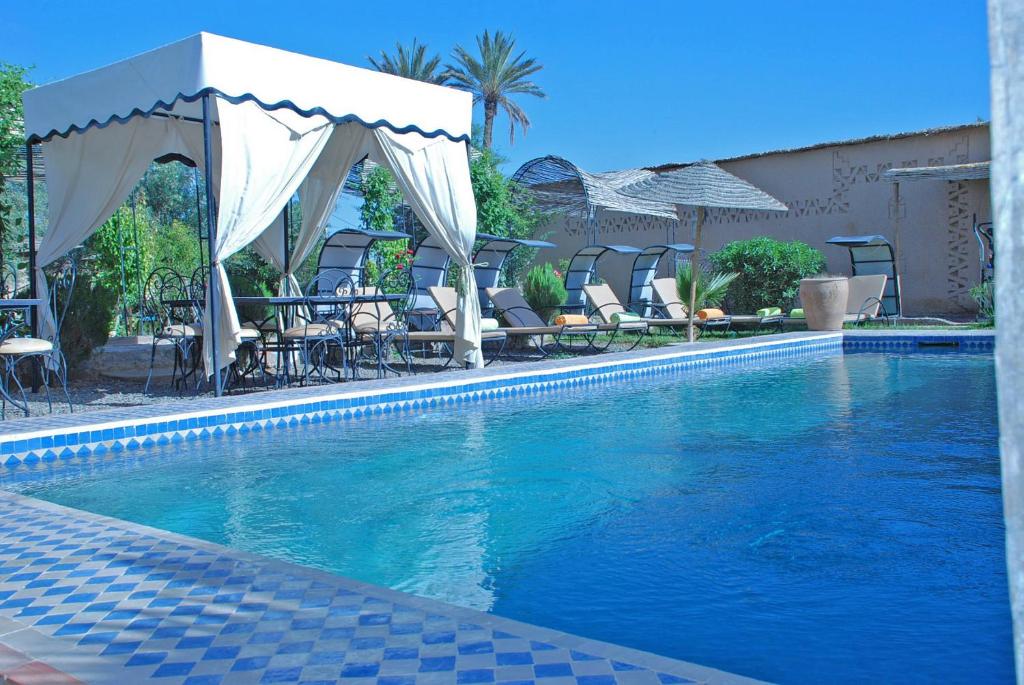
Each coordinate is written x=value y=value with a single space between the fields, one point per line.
x=702 y=184
x=173 y=78
x=558 y=185
x=949 y=172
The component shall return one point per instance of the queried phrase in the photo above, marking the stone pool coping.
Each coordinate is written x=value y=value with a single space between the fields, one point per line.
x=90 y=598
x=48 y=438
x=108 y=601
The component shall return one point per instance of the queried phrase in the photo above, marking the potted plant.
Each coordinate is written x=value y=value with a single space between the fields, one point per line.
x=824 y=301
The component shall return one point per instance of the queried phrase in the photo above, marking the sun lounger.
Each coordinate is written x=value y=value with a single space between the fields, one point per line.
x=863 y=301
x=521 y=320
x=378 y=321
x=669 y=304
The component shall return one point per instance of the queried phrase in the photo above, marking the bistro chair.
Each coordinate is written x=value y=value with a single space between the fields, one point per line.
x=45 y=355
x=379 y=328
x=170 y=307
x=323 y=338
x=250 y=353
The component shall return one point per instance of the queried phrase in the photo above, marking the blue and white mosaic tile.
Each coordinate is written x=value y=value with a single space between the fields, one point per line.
x=92 y=434
x=137 y=604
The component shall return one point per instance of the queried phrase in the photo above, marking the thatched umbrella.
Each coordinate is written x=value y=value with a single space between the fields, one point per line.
x=701 y=184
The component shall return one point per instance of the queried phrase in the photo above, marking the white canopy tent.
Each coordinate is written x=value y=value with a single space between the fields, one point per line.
x=263 y=124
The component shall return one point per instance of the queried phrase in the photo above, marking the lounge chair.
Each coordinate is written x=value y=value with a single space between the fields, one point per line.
x=510 y=305
x=607 y=306
x=670 y=305
x=377 y=322
x=863 y=301
x=864 y=298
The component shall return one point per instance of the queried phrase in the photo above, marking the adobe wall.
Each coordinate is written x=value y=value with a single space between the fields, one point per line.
x=837 y=190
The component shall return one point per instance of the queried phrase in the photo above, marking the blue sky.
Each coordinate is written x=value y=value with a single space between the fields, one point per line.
x=629 y=84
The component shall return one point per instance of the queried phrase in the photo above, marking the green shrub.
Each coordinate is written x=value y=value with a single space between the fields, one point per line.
x=711 y=287
x=769 y=271
x=985 y=295
x=89 y=319
x=544 y=291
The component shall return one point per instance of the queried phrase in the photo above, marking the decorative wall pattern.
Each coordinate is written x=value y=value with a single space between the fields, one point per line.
x=959 y=234
x=843 y=190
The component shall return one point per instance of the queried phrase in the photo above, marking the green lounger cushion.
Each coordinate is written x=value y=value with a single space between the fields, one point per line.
x=769 y=311
x=797 y=314
x=625 y=317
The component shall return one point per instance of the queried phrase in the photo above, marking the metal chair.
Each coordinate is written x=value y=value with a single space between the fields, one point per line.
x=170 y=307
x=45 y=354
x=323 y=338
x=250 y=353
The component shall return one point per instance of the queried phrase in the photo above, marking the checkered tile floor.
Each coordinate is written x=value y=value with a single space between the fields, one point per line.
x=108 y=601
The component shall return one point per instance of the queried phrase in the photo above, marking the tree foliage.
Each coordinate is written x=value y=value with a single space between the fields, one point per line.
x=494 y=76
x=769 y=271
x=13 y=83
x=411 y=63
x=502 y=209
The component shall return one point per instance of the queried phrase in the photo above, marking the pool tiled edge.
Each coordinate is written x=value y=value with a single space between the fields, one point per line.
x=68 y=436
x=106 y=601
x=87 y=598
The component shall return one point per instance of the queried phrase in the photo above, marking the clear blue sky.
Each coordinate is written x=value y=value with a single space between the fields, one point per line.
x=629 y=83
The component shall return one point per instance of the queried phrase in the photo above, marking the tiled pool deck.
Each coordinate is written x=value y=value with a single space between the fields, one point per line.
x=97 y=600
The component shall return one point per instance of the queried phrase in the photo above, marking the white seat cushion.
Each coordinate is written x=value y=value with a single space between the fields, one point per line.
x=248 y=333
x=315 y=330
x=25 y=346
x=184 y=330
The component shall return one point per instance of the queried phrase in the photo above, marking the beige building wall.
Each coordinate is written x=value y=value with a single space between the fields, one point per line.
x=838 y=189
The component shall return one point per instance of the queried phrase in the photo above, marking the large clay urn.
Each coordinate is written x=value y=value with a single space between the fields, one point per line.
x=824 y=302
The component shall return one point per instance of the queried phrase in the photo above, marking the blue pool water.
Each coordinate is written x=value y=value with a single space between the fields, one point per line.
x=825 y=519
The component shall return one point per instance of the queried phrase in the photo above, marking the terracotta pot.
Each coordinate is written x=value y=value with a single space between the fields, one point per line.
x=824 y=302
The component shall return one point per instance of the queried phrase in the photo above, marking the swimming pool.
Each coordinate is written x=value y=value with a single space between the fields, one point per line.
x=829 y=518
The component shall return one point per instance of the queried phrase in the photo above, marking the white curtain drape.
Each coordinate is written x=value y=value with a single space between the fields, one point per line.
x=318 y=196
x=88 y=176
x=433 y=174
x=265 y=155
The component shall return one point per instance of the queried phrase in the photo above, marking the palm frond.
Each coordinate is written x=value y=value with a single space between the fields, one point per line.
x=711 y=287
x=411 y=63
x=494 y=74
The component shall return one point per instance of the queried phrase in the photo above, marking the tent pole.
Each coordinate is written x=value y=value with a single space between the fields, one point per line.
x=694 y=272
x=211 y=235
x=287 y=227
x=30 y=185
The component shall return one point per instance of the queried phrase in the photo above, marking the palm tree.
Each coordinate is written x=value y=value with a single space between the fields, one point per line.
x=493 y=77
x=411 y=63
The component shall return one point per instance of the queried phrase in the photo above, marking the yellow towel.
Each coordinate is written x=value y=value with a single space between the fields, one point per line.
x=571 y=320
x=706 y=314
x=769 y=311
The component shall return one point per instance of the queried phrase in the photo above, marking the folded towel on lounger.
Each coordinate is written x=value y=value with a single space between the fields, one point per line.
x=711 y=313
x=571 y=320
x=625 y=317
x=768 y=311
x=487 y=324
x=796 y=314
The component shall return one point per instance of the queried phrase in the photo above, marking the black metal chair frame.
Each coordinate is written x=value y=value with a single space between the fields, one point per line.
x=47 y=363
x=162 y=299
x=327 y=332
